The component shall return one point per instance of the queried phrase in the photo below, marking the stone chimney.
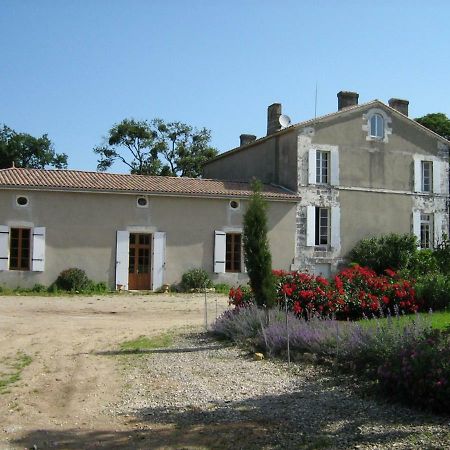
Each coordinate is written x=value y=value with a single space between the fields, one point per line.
x=400 y=105
x=346 y=99
x=273 y=116
x=247 y=138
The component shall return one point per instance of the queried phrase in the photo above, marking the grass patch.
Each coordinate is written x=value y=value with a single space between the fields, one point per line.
x=143 y=343
x=12 y=368
x=438 y=320
x=222 y=288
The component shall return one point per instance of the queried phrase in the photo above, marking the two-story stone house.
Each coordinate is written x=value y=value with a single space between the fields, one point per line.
x=362 y=171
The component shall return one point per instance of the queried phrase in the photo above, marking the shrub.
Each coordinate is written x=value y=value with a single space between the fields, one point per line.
x=258 y=259
x=240 y=296
x=433 y=291
x=392 y=251
x=241 y=325
x=222 y=288
x=421 y=262
x=352 y=294
x=419 y=372
x=195 y=279
x=39 y=288
x=442 y=255
x=72 y=280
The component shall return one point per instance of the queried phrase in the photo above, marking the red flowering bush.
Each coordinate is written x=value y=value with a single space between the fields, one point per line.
x=353 y=292
x=240 y=296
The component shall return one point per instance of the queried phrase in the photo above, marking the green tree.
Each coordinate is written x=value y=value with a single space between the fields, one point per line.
x=437 y=122
x=24 y=150
x=133 y=143
x=184 y=149
x=258 y=259
x=156 y=148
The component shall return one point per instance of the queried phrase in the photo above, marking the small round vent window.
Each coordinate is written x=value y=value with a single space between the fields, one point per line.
x=22 y=201
x=234 y=204
x=142 y=202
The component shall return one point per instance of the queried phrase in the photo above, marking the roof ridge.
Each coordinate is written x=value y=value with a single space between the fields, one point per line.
x=53 y=170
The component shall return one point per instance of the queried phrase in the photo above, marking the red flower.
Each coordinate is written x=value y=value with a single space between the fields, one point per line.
x=297 y=308
x=286 y=289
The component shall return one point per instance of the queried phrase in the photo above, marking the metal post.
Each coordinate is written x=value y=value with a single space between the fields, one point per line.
x=206 y=312
x=287 y=331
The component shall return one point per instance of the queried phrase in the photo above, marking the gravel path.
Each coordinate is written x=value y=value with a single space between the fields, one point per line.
x=201 y=394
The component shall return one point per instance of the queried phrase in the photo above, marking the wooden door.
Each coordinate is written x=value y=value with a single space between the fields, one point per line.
x=139 y=267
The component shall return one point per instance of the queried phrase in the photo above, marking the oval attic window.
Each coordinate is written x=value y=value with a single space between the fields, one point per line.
x=22 y=201
x=142 y=202
x=234 y=204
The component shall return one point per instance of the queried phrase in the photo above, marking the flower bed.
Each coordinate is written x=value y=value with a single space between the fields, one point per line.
x=353 y=293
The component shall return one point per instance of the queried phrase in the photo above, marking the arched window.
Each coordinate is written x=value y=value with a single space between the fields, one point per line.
x=377 y=126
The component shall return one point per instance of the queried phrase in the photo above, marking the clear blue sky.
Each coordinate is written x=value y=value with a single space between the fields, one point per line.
x=74 y=68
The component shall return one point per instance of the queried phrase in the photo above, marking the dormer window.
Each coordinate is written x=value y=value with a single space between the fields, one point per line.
x=377 y=126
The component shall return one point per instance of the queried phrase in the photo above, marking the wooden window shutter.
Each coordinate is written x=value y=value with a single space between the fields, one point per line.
x=312 y=166
x=334 y=167
x=122 y=258
x=417 y=176
x=159 y=259
x=416 y=225
x=4 y=247
x=220 y=239
x=310 y=226
x=336 y=227
x=436 y=177
x=38 y=255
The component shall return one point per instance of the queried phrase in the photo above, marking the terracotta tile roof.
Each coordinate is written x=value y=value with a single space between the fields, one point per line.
x=74 y=180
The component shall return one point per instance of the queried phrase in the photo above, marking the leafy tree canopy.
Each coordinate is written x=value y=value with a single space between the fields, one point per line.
x=156 y=148
x=24 y=150
x=437 y=122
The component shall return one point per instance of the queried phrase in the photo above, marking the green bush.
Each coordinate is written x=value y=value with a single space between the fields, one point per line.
x=442 y=255
x=392 y=251
x=73 y=280
x=39 y=288
x=222 y=288
x=419 y=372
x=420 y=263
x=195 y=279
x=433 y=291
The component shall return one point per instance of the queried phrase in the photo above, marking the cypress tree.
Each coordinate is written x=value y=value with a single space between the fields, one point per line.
x=258 y=259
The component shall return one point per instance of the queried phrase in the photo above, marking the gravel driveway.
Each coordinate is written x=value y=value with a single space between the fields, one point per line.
x=200 y=394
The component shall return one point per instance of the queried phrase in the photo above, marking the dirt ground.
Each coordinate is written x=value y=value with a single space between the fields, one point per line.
x=67 y=387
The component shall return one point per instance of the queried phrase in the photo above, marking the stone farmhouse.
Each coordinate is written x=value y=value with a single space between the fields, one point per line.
x=130 y=231
x=362 y=171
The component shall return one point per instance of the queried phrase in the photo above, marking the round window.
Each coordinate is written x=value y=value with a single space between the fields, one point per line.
x=142 y=201
x=22 y=201
x=234 y=204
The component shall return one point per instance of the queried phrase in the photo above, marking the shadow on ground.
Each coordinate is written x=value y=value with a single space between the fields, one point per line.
x=318 y=415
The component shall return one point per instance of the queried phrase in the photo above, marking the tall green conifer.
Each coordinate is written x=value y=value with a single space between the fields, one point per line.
x=258 y=259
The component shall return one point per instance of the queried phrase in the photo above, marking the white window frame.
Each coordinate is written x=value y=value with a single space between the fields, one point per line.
x=435 y=181
x=322 y=213
x=322 y=167
x=426 y=231
x=427 y=178
x=333 y=165
x=375 y=123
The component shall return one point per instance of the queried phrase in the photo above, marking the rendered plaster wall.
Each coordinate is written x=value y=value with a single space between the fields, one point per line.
x=375 y=193
x=81 y=231
x=256 y=160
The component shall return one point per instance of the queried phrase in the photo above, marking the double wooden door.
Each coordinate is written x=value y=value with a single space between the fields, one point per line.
x=140 y=257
